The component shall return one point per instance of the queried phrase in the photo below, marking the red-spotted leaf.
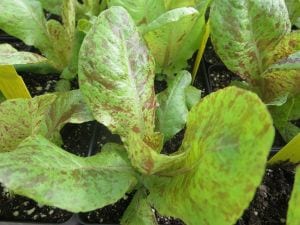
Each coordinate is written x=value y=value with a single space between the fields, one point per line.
x=44 y=115
x=173 y=37
x=144 y=153
x=282 y=78
x=288 y=45
x=41 y=170
x=245 y=33
x=227 y=141
x=116 y=74
x=168 y=27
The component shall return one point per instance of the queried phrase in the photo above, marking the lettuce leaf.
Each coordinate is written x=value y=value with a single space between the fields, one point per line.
x=43 y=115
x=245 y=33
x=39 y=169
x=211 y=186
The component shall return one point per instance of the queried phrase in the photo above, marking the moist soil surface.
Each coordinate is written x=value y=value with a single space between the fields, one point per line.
x=270 y=204
x=210 y=56
x=219 y=77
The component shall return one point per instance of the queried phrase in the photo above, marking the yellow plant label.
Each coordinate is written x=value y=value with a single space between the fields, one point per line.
x=290 y=152
x=11 y=84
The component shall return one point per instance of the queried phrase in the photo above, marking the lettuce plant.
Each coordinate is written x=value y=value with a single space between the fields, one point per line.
x=25 y=20
x=254 y=40
x=172 y=29
x=210 y=179
x=58 y=42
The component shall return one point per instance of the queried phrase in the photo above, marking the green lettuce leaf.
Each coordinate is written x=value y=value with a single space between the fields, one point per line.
x=25 y=20
x=11 y=56
x=141 y=11
x=293 y=216
x=169 y=27
x=62 y=36
x=139 y=212
x=284 y=115
x=294 y=10
x=53 y=6
x=281 y=79
x=116 y=74
x=192 y=96
x=177 y=30
x=41 y=170
x=44 y=115
x=245 y=33
x=173 y=106
x=229 y=134
x=88 y=8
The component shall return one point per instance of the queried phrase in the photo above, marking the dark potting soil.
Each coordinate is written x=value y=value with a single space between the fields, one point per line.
x=219 y=77
x=174 y=143
x=39 y=84
x=110 y=214
x=19 y=208
x=210 y=56
x=270 y=204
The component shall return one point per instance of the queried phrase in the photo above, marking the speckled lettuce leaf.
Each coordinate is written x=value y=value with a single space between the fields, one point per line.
x=25 y=20
x=44 y=115
x=144 y=153
x=173 y=38
x=139 y=212
x=284 y=115
x=172 y=112
x=229 y=134
x=288 y=45
x=62 y=35
x=294 y=10
x=293 y=216
x=170 y=28
x=282 y=78
x=39 y=169
x=116 y=74
x=245 y=33
x=11 y=56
